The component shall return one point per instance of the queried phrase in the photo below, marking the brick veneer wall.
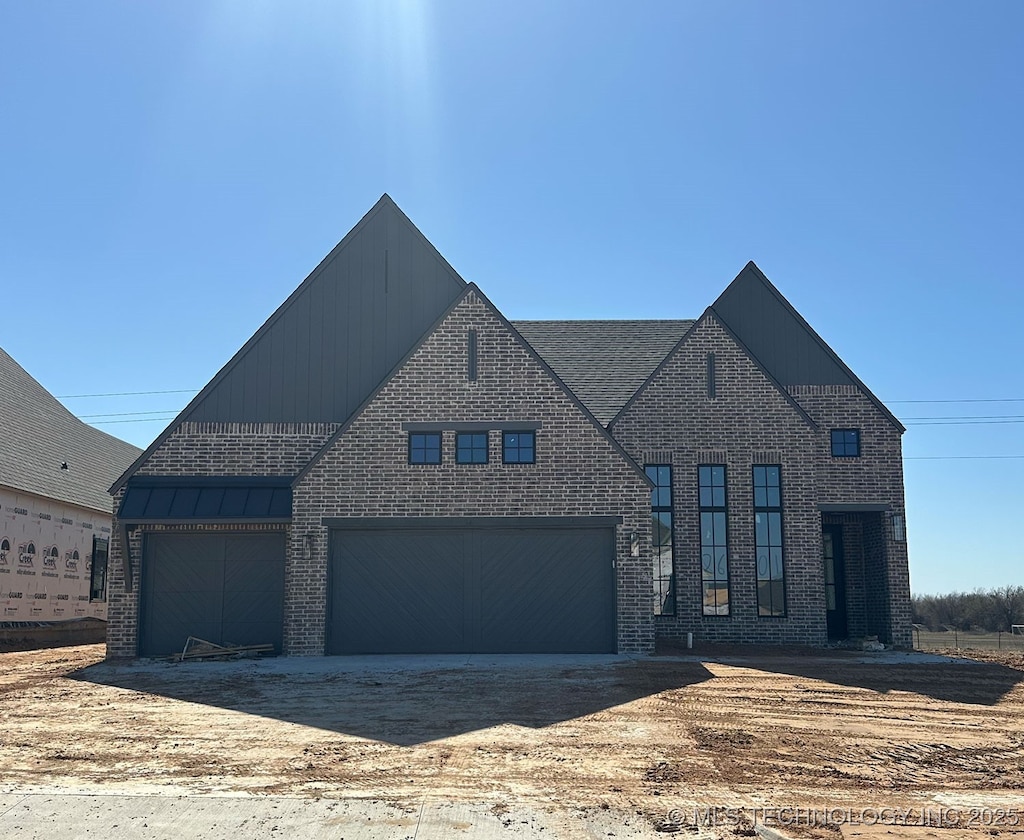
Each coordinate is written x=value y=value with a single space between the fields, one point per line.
x=875 y=477
x=749 y=421
x=210 y=449
x=365 y=473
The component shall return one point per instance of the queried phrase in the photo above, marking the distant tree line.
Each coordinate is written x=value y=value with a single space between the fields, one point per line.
x=991 y=609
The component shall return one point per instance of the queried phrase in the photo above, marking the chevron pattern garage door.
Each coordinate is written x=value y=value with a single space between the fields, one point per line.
x=482 y=590
x=225 y=588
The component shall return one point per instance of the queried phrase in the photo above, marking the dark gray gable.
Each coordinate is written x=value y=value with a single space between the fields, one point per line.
x=780 y=339
x=603 y=362
x=472 y=287
x=38 y=435
x=334 y=340
x=710 y=313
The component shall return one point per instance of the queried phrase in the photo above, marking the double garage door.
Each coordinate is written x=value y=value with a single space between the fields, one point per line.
x=442 y=589
x=467 y=590
x=224 y=588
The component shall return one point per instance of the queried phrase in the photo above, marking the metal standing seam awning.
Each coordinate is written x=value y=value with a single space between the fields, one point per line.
x=201 y=500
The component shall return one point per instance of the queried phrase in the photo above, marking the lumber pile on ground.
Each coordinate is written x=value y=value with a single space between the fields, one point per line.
x=196 y=648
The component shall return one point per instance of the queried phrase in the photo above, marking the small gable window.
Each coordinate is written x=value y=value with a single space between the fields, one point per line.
x=518 y=447
x=425 y=448
x=471 y=448
x=845 y=443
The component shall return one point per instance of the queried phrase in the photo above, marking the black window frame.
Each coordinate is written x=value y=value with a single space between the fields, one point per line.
x=518 y=448
x=840 y=447
x=421 y=438
x=98 y=569
x=713 y=515
x=662 y=497
x=768 y=504
x=473 y=448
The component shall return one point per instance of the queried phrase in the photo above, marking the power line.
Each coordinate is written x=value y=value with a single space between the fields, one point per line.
x=963 y=457
x=1006 y=400
x=125 y=394
x=891 y=402
x=971 y=417
x=965 y=423
x=124 y=414
x=147 y=420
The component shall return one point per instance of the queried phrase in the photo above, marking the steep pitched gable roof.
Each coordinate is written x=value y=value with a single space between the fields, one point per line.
x=39 y=435
x=778 y=336
x=472 y=288
x=710 y=313
x=603 y=362
x=337 y=335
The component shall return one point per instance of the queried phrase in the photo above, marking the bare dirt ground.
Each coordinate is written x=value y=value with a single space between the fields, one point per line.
x=875 y=745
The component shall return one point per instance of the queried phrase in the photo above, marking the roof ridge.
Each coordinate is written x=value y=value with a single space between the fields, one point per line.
x=48 y=451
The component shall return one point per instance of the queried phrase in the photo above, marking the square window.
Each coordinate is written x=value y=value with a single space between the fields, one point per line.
x=425 y=448
x=845 y=443
x=471 y=448
x=518 y=447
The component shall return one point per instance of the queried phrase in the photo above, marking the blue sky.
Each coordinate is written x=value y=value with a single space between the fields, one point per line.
x=170 y=171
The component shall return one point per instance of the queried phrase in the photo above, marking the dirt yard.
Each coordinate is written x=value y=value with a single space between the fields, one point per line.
x=871 y=747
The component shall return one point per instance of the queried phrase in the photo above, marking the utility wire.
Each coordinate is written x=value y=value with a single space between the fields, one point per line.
x=126 y=394
x=1007 y=400
x=196 y=391
x=147 y=420
x=965 y=423
x=971 y=417
x=125 y=414
x=962 y=457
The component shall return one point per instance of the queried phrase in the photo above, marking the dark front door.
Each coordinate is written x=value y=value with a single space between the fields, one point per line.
x=466 y=590
x=835 y=581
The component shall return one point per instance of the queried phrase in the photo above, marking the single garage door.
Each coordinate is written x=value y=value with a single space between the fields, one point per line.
x=472 y=590
x=225 y=588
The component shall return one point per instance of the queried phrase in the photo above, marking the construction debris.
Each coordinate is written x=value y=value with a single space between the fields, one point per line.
x=196 y=648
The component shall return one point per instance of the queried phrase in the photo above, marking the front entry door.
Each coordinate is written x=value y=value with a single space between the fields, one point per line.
x=835 y=581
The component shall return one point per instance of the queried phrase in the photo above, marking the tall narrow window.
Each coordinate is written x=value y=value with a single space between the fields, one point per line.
x=98 y=574
x=471 y=356
x=771 y=581
x=661 y=537
x=714 y=545
x=711 y=376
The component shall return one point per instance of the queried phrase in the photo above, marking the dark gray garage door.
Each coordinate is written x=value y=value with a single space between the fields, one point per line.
x=225 y=588
x=447 y=590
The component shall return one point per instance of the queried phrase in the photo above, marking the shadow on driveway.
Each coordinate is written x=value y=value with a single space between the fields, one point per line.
x=407 y=700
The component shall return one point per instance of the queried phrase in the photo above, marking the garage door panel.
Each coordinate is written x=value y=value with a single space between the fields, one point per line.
x=547 y=591
x=397 y=593
x=472 y=590
x=225 y=588
x=182 y=563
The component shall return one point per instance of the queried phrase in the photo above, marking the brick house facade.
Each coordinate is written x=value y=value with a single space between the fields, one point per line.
x=389 y=465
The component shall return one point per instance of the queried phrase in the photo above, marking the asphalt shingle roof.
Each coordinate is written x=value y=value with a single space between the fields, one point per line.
x=603 y=362
x=38 y=434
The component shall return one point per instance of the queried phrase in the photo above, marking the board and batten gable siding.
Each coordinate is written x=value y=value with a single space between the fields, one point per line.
x=579 y=472
x=749 y=421
x=336 y=338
